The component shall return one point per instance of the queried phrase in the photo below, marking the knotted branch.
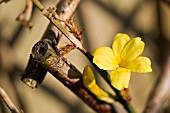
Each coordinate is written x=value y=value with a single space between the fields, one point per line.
x=34 y=73
x=68 y=75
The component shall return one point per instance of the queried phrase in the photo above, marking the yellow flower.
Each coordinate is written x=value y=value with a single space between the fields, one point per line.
x=123 y=59
x=90 y=83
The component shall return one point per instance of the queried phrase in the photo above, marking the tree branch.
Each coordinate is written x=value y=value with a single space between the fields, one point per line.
x=68 y=75
x=8 y=101
x=34 y=72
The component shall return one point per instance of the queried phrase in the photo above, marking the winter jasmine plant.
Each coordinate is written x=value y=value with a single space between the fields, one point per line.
x=123 y=58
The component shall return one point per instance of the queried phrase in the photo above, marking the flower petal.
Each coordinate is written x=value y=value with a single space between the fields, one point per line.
x=88 y=76
x=89 y=81
x=106 y=97
x=140 y=65
x=103 y=51
x=120 y=78
x=118 y=44
x=104 y=59
x=132 y=49
x=95 y=89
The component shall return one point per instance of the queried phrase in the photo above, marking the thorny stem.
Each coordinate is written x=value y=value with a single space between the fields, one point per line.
x=80 y=47
x=8 y=101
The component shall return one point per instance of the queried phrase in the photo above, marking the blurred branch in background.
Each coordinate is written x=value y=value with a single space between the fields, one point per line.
x=25 y=16
x=127 y=20
x=161 y=91
x=167 y=2
x=8 y=101
x=4 y=1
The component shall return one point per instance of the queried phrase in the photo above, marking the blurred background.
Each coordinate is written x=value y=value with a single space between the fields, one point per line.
x=101 y=19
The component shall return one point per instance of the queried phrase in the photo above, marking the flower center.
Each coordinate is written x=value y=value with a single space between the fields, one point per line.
x=122 y=64
x=116 y=66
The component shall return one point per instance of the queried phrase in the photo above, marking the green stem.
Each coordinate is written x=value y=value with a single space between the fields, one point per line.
x=105 y=75
x=57 y=23
x=38 y=5
x=69 y=35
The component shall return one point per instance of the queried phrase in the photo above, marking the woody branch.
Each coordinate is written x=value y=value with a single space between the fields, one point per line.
x=8 y=101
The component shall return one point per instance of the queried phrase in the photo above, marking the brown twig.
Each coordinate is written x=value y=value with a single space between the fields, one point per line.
x=160 y=92
x=65 y=10
x=25 y=16
x=8 y=101
x=68 y=75
x=4 y=1
x=55 y=19
x=33 y=72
